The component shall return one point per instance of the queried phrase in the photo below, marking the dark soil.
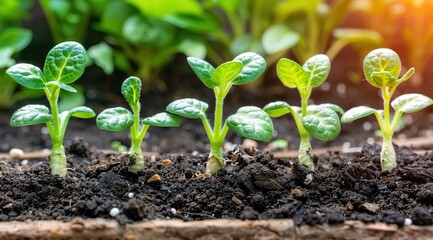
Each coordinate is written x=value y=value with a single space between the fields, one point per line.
x=253 y=185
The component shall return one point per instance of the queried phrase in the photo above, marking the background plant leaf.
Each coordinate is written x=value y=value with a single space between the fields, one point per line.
x=322 y=123
x=251 y=122
x=162 y=120
x=279 y=38
x=115 y=119
x=188 y=107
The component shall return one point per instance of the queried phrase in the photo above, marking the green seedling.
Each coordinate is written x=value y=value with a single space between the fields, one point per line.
x=382 y=69
x=118 y=119
x=64 y=64
x=320 y=121
x=250 y=122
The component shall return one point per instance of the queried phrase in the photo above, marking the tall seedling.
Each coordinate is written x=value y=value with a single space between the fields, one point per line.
x=320 y=121
x=64 y=64
x=382 y=69
x=250 y=122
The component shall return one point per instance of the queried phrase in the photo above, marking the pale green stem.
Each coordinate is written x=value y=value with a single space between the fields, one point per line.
x=388 y=157
x=305 y=155
x=58 y=156
x=137 y=135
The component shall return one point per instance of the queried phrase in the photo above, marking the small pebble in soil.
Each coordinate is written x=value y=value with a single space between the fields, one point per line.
x=173 y=210
x=44 y=131
x=114 y=212
x=166 y=162
x=16 y=153
x=154 y=179
x=346 y=145
x=308 y=179
x=407 y=221
x=130 y=195
x=370 y=140
x=367 y=126
x=195 y=153
x=24 y=162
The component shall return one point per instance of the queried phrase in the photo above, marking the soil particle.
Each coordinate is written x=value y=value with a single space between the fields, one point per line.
x=421 y=216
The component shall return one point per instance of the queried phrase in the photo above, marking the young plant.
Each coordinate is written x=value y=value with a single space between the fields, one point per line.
x=250 y=122
x=118 y=119
x=64 y=64
x=320 y=121
x=382 y=70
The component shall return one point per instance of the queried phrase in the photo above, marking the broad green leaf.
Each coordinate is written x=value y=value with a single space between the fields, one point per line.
x=30 y=114
x=162 y=120
x=121 y=10
x=410 y=103
x=115 y=119
x=360 y=38
x=279 y=38
x=131 y=90
x=152 y=33
x=192 y=48
x=203 y=70
x=322 y=123
x=102 y=55
x=192 y=22
x=82 y=112
x=277 y=109
x=291 y=74
x=65 y=63
x=27 y=75
x=251 y=122
x=253 y=65
x=188 y=107
x=382 y=67
x=67 y=88
x=226 y=72
x=246 y=43
x=333 y=107
x=15 y=38
x=357 y=113
x=317 y=68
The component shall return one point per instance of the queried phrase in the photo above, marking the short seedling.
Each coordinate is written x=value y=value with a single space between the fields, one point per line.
x=382 y=70
x=250 y=122
x=64 y=64
x=321 y=121
x=118 y=119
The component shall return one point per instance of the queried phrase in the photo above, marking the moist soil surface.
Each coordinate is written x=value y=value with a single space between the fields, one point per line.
x=252 y=185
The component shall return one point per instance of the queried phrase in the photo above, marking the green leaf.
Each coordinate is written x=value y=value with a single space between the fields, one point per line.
x=102 y=55
x=322 y=123
x=192 y=48
x=67 y=88
x=317 y=68
x=65 y=63
x=203 y=70
x=251 y=122
x=253 y=65
x=192 y=22
x=357 y=113
x=333 y=107
x=382 y=67
x=15 y=38
x=226 y=72
x=162 y=120
x=27 y=75
x=82 y=112
x=30 y=114
x=131 y=90
x=410 y=103
x=277 y=109
x=188 y=107
x=6 y=59
x=407 y=75
x=279 y=38
x=291 y=74
x=115 y=119
x=160 y=8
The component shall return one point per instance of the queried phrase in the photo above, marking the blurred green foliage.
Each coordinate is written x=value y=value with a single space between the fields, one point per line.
x=140 y=37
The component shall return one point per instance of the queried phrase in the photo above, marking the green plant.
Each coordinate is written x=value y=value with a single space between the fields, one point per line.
x=64 y=64
x=382 y=70
x=250 y=122
x=320 y=121
x=119 y=119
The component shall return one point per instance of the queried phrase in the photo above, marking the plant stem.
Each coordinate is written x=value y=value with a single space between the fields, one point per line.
x=215 y=160
x=388 y=157
x=305 y=156
x=136 y=154
x=137 y=135
x=58 y=156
